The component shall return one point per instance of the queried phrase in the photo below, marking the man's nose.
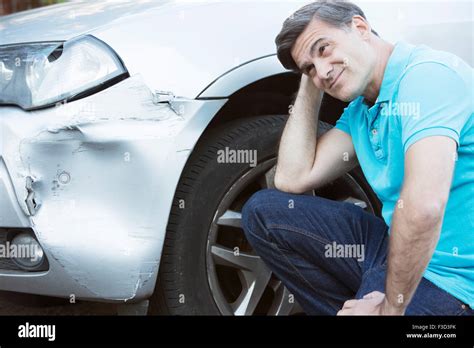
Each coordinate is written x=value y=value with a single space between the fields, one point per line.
x=324 y=71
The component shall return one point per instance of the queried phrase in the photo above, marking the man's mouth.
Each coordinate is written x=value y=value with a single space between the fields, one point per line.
x=336 y=79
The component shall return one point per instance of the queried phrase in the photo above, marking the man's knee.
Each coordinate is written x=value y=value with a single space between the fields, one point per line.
x=254 y=211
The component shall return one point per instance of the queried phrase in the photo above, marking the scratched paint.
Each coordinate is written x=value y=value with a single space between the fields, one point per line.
x=102 y=172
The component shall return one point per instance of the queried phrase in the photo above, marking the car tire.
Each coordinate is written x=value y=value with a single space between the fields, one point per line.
x=183 y=286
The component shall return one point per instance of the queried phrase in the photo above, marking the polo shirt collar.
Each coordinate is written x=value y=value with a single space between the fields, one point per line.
x=394 y=70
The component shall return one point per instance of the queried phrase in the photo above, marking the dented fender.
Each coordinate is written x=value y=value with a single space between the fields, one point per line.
x=95 y=180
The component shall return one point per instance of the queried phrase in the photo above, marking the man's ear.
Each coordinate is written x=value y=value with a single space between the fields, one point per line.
x=361 y=26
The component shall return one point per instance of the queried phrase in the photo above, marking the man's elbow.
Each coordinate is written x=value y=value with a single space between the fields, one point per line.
x=289 y=186
x=424 y=215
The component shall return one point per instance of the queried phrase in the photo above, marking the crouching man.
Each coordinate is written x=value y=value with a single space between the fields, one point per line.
x=410 y=127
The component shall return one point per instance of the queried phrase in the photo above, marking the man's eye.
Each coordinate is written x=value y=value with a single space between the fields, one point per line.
x=321 y=49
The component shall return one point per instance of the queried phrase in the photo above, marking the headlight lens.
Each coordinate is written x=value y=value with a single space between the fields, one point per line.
x=42 y=74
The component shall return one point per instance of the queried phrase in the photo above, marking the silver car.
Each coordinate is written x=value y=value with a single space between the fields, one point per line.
x=132 y=133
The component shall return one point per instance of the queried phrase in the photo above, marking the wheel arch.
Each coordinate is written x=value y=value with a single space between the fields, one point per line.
x=261 y=87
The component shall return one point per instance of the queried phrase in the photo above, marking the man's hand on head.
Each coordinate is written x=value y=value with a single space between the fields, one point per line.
x=309 y=90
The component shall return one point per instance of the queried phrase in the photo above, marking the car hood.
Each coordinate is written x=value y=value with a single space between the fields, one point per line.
x=183 y=46
x=177 y=46
x=65 y=21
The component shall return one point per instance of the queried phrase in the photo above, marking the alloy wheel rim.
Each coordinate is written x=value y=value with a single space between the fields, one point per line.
x=231 y=260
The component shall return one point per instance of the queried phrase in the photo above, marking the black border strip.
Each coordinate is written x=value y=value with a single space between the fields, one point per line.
x=241 y=330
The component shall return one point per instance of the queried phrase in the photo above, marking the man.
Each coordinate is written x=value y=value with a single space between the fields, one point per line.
x=410 y=127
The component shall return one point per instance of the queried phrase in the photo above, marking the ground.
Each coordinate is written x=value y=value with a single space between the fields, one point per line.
x=23 y=304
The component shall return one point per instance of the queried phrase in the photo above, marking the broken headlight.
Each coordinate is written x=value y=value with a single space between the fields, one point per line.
x=37 y=75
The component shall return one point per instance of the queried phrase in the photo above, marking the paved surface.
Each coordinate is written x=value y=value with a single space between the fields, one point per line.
x=23 y=304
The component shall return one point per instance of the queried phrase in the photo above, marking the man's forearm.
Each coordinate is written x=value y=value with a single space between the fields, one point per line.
x=411 y=247
x=298 y=143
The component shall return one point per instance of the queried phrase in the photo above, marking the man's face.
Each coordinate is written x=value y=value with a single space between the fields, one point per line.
x=338 y=60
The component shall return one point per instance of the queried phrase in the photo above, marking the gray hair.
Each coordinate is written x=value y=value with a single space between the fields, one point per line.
x=336 y=13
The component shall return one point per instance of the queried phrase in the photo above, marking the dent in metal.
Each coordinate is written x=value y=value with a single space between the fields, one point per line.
x=105 y=168
x=169 y=98
x=31 y=203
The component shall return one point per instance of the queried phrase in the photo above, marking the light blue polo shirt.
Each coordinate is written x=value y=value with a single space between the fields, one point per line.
x=424 y=93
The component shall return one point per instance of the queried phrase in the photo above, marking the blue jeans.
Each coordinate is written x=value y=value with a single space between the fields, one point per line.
x=327 y=252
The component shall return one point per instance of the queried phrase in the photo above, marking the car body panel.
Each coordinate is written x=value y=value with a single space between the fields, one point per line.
x=104 y=172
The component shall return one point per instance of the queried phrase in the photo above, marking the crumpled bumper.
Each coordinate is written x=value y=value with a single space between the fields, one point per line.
x=94 y=180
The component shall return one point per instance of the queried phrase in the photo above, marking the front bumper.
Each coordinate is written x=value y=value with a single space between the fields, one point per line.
x=102 y=172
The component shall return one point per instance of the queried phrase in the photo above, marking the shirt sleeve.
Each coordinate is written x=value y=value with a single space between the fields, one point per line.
x=432 y=100
x=343 y=122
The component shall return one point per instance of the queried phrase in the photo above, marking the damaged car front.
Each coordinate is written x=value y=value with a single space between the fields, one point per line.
x=89 y=158
x=101 y=105
x=81 y=179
